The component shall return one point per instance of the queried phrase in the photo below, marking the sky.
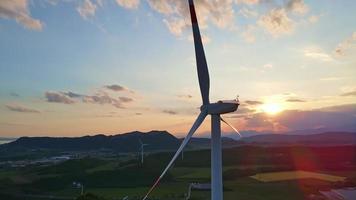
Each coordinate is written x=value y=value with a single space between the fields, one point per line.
x=85 y=67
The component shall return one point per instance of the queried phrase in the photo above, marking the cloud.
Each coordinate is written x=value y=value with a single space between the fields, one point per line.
x=268 y=66
x=318 y=54
x=116 y=88
x=352 y=93
x=248 y=13
x=276 y=22
x=18 y=10
x=72 y=94
x=297 y=6
x=313 y=19
x=253 y=103
x=295 y=100
x=177 y=18
x=250 y=2
x=20 y=108
x=185 y=96
x=87 y=9
x=335 y=117
x=103 y=99
x=332 y=117
x=346 y=45
x=332 y=78
x=175 y=25
x=130 y=4
x=258 y=121
x=248 y=34
x=346 y=109
x=171 y=112
x=14 y=94
x=126 y=99
x=161 y=6
x=242 y=112
x=58 y=97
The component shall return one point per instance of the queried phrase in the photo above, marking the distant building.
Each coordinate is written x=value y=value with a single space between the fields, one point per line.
x=340 y=194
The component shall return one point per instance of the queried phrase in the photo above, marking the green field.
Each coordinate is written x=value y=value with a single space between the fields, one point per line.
x=293 y=175
x=244 y=187
x=115 y=178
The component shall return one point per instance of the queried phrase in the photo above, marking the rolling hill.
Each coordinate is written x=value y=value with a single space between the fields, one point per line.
x=164 y=141
x=128 y=142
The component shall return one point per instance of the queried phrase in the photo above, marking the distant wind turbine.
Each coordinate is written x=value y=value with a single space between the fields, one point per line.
x=142 y=145
x=213 y=109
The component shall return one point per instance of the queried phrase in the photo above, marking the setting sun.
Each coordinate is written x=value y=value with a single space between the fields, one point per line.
x=272 y=108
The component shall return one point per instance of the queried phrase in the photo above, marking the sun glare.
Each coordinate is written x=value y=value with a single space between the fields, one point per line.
x=272 y=108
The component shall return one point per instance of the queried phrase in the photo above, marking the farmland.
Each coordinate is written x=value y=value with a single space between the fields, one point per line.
x=293 y=175
x=115 y=178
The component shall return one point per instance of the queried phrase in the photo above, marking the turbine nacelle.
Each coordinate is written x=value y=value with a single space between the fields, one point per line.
x=221 y=107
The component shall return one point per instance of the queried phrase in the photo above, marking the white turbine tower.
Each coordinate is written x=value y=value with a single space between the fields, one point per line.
x=142 y=145
x=213 y=109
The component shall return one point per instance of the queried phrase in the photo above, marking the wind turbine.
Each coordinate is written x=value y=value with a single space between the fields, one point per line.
x=213 y=109
x=142 y=149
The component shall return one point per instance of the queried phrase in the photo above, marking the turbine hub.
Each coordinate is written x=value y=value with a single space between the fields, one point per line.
x=221 y=107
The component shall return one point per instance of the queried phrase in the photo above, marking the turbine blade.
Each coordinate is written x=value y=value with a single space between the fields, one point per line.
x=202 y=66
x=195 y=126
x=231 y=126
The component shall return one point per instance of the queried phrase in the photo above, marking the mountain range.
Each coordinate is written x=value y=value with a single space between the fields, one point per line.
x=164 y=141
x=127 y=142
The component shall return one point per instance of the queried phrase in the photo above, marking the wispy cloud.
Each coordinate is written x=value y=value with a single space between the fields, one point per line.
x=346 y=45
x=297 y=6
x=313 y=19
x=332 y=78
x=58 y=97
x=116 y=88
x=21 y=108
x=219 y=13
x=171 y=112
x=276 y=22
x=249 y=2
x=249 y=34
x=352 y=93
x=87 y=9
x=185 y=96
x=126 y=99
x=101 y=97
x=295 y=100
x=18 y=10
x=14 y=94
x=318 y=54
x=335 y=117
x=253 y=102
x=73 y=95
x=247 y=12
x=130 y=4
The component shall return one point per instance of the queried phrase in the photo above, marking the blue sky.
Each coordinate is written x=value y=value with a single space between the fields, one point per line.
x=131 y=64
